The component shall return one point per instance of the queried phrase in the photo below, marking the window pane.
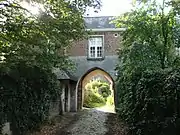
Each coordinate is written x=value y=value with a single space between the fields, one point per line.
x=90 y=41
x=99 y=51
x=92 y=52
x=95 y=41
x=99 y=41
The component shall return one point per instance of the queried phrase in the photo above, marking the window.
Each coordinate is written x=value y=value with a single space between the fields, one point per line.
x=116 y=35
x=95 y=47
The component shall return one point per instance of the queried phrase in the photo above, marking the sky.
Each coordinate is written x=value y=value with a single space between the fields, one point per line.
x=109 y=8
x=112 y=8
x=115 y=7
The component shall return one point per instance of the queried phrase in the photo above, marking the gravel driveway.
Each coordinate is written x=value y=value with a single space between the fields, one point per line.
x=85 y=122
x=90 y=123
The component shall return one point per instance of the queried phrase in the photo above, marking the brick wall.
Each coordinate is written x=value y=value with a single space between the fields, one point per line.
x=111 y=44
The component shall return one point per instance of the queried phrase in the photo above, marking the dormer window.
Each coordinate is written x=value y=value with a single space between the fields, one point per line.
x=95 y=47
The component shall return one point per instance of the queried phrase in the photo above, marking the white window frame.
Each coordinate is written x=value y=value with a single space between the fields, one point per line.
x=96 y=46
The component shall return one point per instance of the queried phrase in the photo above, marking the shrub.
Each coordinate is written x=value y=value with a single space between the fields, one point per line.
x=93 y=99
x=151 y=105
x=2 y=116
x=110 y=100
x=102 y=88
x=95 y=94
x=26 y=92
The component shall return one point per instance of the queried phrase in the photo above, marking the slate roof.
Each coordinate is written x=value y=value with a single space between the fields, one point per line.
x=64 y=75
x=99 y=22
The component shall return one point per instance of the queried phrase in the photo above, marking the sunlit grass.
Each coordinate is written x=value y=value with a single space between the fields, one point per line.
x=107 y=108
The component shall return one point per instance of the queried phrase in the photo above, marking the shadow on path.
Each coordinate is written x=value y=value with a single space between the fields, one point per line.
x=115 y=126
x=97 y=121
x=90 y=122
x=64 y=130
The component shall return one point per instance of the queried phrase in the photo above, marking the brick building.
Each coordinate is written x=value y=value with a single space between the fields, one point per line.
x=97 y=54
x=94 y=57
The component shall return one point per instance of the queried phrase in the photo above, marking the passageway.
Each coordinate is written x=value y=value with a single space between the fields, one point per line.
x=94 y=122
x=85 y=122
x=95 y=74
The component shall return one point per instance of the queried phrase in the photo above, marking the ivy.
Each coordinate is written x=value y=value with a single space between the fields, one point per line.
x=26 y=93
x=152 y=105
x=148 y=70
x=31 y=46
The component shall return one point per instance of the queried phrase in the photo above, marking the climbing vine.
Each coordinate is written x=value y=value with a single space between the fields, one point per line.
x=26 y=93
x=31 y=45
x=148 y=70
x=151 y=105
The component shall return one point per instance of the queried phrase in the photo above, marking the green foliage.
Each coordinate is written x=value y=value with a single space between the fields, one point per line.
x=2 y=116
x=147 y=81
x=30 y=47
x=110 y=100
x=38 y=39
x=98 y=86
x=96 y=93
x=41 y=39
x=104 y=90
x=150 y=36
x=93 y=99
x=26 y=93
x=156 y=107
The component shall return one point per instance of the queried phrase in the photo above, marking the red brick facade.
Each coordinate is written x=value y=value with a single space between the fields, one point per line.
x=111 y=44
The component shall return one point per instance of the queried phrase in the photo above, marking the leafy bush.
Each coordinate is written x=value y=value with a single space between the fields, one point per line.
x=105 y=90
x=2 y=116
x=94 y=100
x=110 y=100
x=150 y=105
x=96 y=94
x=26 y=92
x=102 y=88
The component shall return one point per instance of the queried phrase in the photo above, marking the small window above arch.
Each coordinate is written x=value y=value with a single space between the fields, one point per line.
x=116 y=35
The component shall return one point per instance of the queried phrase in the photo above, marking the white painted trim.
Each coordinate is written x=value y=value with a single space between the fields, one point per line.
x=96 y=36
x=107 y=29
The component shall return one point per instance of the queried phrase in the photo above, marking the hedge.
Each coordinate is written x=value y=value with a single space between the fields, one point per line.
x=150 y=104
x=26 y=92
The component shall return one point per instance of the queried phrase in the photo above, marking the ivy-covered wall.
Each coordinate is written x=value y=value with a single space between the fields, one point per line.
x=26 y=94
x=150 y=105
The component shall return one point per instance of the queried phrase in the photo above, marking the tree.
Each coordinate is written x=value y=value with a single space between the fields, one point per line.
x=30 y=47
x=148 y=49
x=40 y=40
x=154 y=31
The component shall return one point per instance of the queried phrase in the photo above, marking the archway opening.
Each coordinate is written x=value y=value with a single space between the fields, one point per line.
x=96 y=90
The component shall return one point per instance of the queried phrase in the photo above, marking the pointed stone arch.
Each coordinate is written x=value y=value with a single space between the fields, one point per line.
x=79 y=89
